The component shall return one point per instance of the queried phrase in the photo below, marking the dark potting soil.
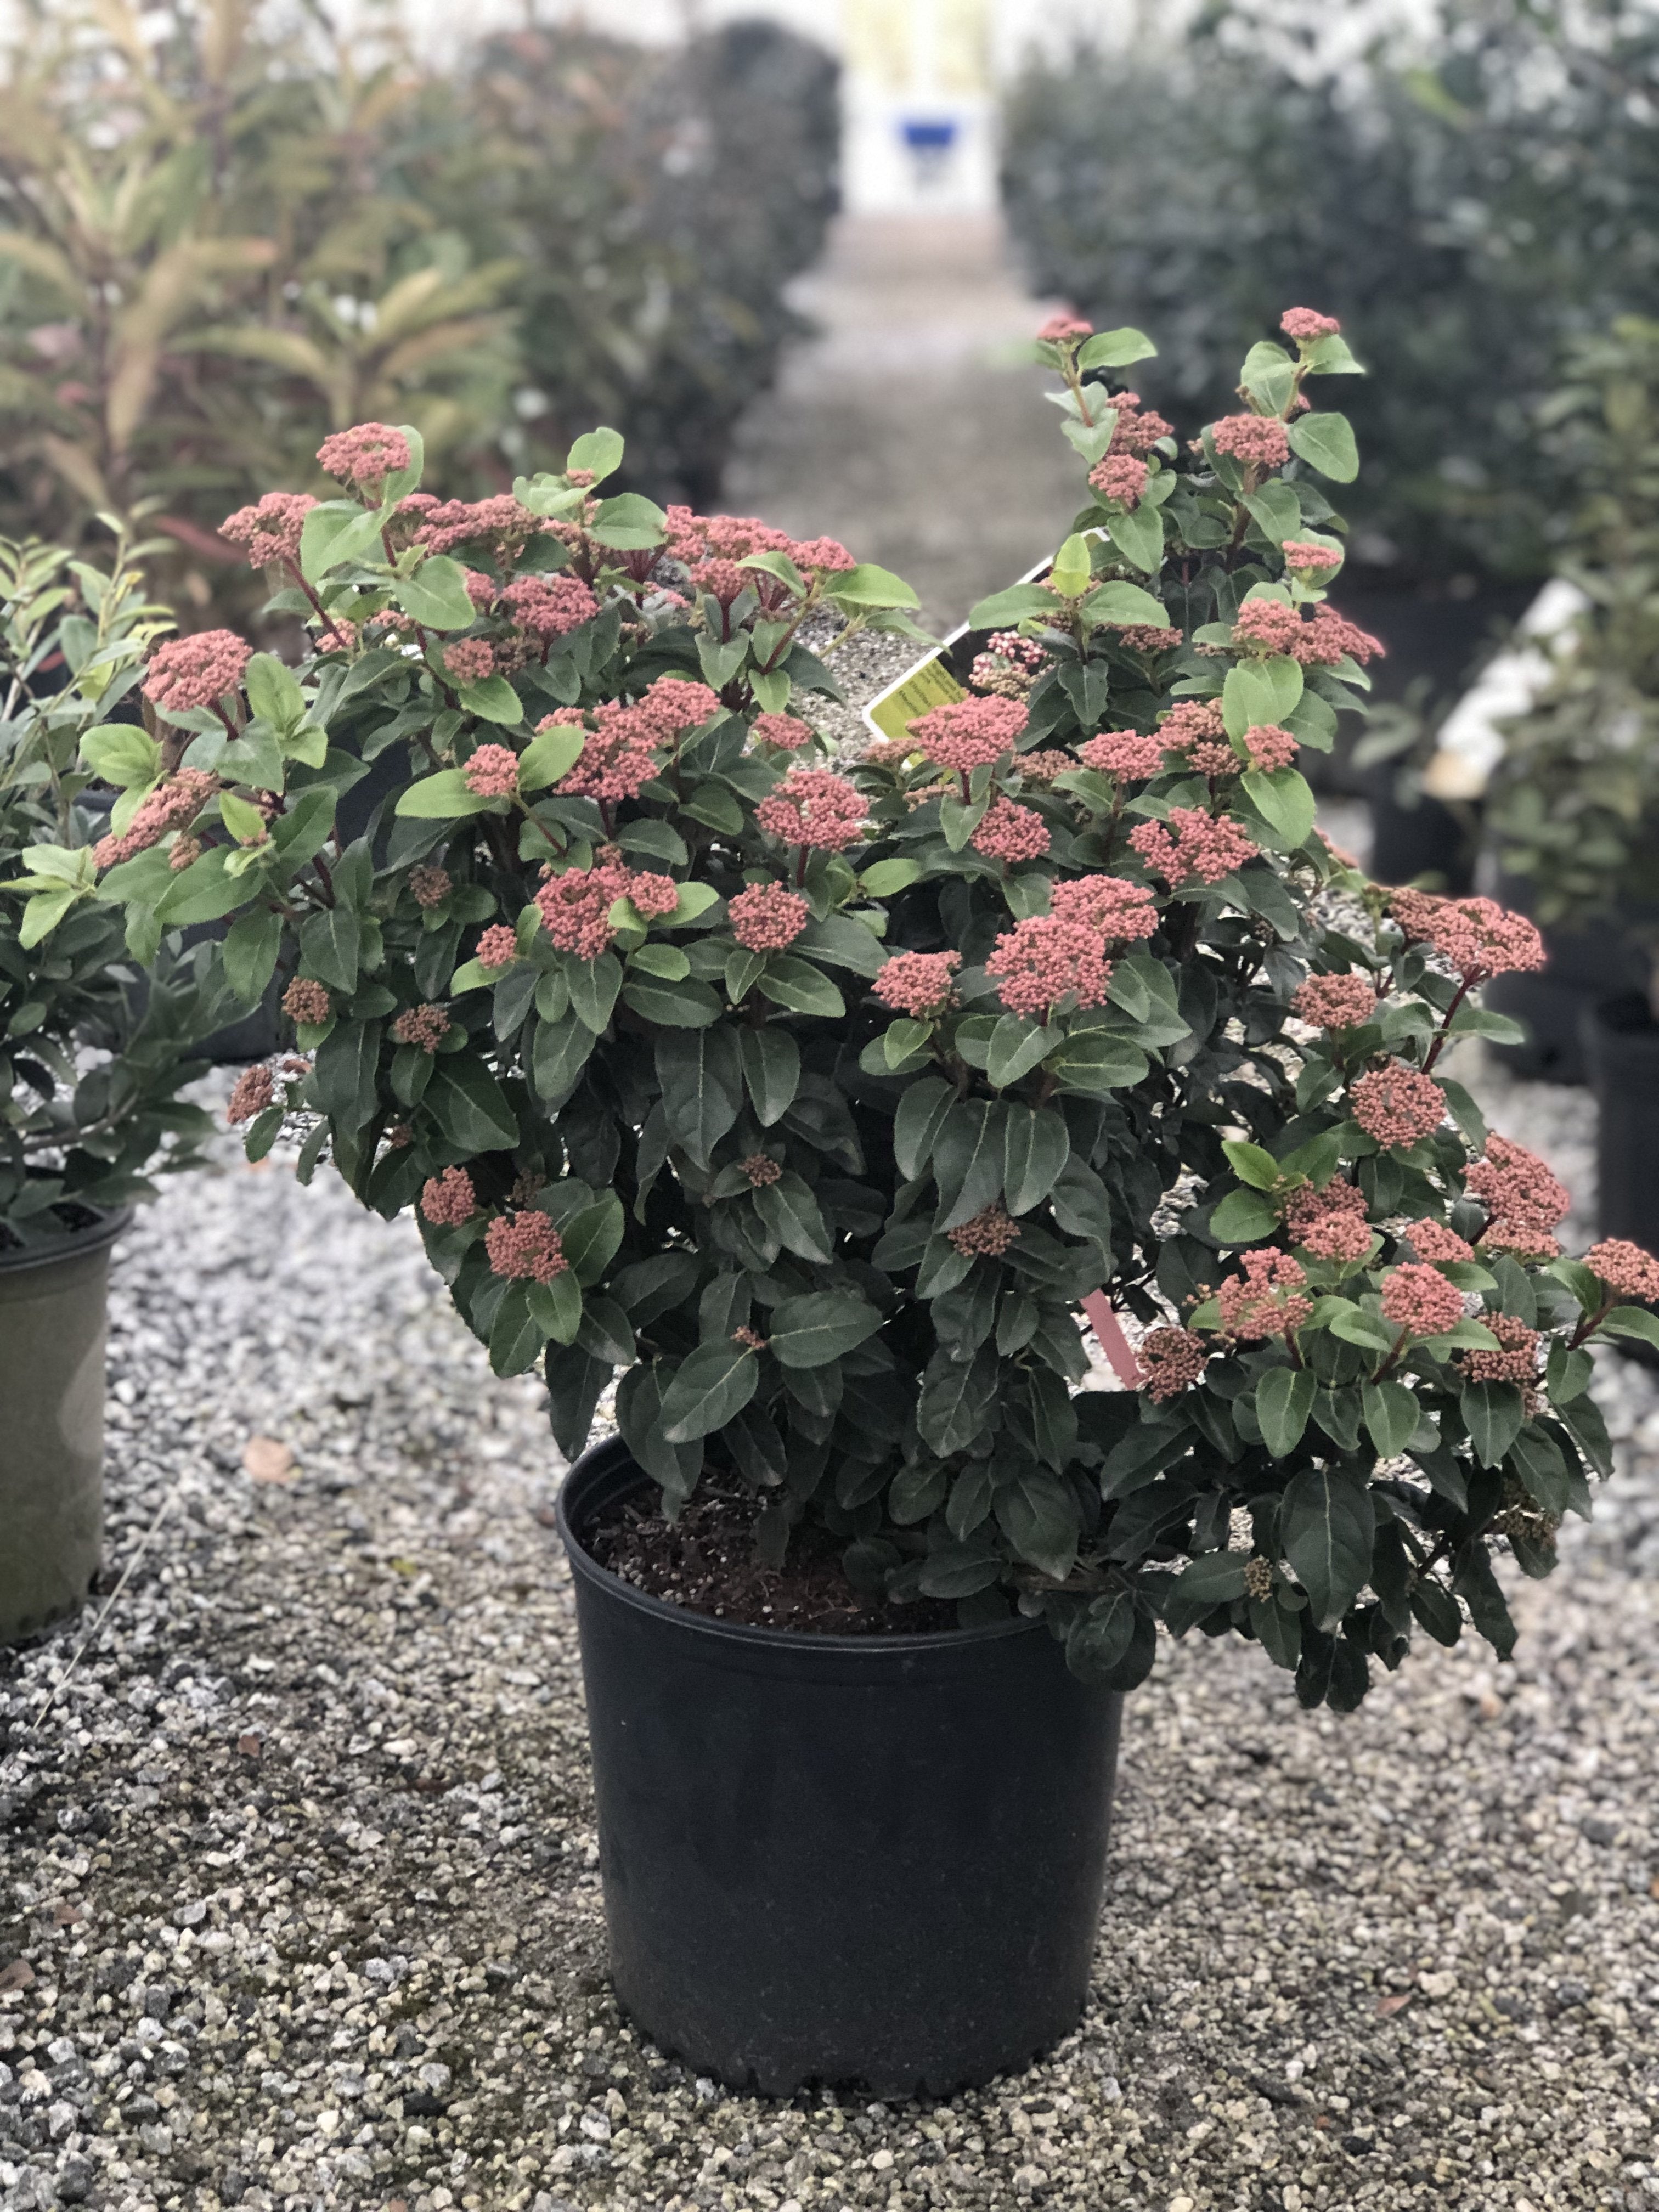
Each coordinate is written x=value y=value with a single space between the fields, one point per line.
x=706 y=1561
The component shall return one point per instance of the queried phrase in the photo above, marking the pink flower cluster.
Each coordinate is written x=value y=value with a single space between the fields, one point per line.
x=760 y=1169
x=723 y=580
x=307 y=1002
x=671 y=707
x=1009 y=832
x=1041 y=766
x=1479 y=938
x=1625 y=1268
x=1306 y=1208
x=1258 y=441
x=197 y=671
x=812 y=807
x=1125 y=753
x=431 y=883
x=269 y=530
x=252 y=1091
x=550 y=606
x=1320 y=642
x=1336 y=1002
x=1119 y=911
x=1420 y=1300
x=1146 y=637
x=917 y=983
x=1517 y=1362
x=987 y=1236
x=1525 y=1203
x=1170 y=1361
x=1194 y=732
x=172 y=806
x=1204 y=849
x=766 y=918
x=498 y=946
x=499 y=522
x=1265 y=1300
x=470 y=659
x=1120 y=478
x=1398 y=1105
x=575 y=907
x=492 y=772
x=365 y=455
x=1434 y=1242
x=968 y=733
x=425 y=1026
x=525 y=1247
x=1045 y=960
x=1338 y=1237
x=1135 y=431
x=448 y=1199
x=1009 y=664
x=824 y=555
x=1066 y=330
x=782 y=731
x=1307 y=323
x=1269 y=747
x=1303 y=558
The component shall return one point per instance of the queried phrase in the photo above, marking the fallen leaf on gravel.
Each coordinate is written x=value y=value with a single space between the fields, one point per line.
x=17 y=1975
x=267 y=1459
x=248 y=1746
x=64 y=1915
x=1388 y=2006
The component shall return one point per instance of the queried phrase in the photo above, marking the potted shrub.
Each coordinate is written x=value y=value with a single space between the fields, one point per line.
x=1575 y=804
x=93 y=1055
x=806 y=1101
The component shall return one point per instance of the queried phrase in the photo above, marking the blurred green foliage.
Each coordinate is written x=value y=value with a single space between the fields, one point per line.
x=1465 y=196
x=224 y=233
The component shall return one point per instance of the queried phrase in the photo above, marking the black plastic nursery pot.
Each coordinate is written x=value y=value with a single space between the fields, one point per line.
x=54 y=1316
x=1585 y=965
x=1621 y=1048
x=871 y=1861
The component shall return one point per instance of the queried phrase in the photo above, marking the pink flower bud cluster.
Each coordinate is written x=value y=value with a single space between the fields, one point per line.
x=1338 y=1237
x=1045 y=961
x=968 y=733
x=307 y=1002
x=365 y=455
x=1303 y=558
x=195 y=672
x=1066 y=330
x=1009 y=832
x=812 y=807
x=470 y=659
x=1625 y=1268
x=824 y=555
x=1319 y=641
x=1398 y=1105
x=1204 y=849
x=723 y=580
x=424 y=1026
x=1336 y=1002
x=498 y=522
x=1525 y=1203
x=766 y=918
x=1171 y=1360
x=1125 y=753
x=783 y=732
x=1009 y=666
x=431 y=883
x=525 y=1248
x=1477 y=936
x=1258 y=441
x=1433 y=1242
x=1135 y=431
x=1264 y=1300
x=550 y=606
x=575 y=907
x=1119 y=911
x=987 y=1236
x=172 y=806
x=1305 y=323
x=269 y=530
x=492 y=772
x=1306 y=1208
x=1041 y=766
x=253 y=1090
x=498 y=946
x=1146 y=637
x=448 y=1199
x=1268 y=747
x=760 y=1169
x=919 y=984
x=1119 y=479
x=1195 y=735
x=1517 y=1362
x=1419 y=1300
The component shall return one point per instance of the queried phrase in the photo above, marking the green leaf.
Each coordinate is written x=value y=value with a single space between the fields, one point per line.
x=800 y=986
x=1436 y=1610
x=1036 y=1146
x=1138 y=537
x=1125 y=606
x=494 y=700
x=470 y=1106
x=344 y=1074
x=700 y=1076
x=1284 y=1400
x=591 y=1238
x=1633 y=1321
x=1214 y=1578
x=516 y=1337
x=441 y=798
x=273 y=691
x=630 y=523
x=1243 y=1217
x=1392 y=1414
x=562 y=1050
x=812 y=1330
x=1492 y=1413
x=883 y=878
x=1326 y=442
x=598 y=454
x=1112 y=349
x=1251 y=1164
x=770 y=1062
x=792 y=1214
x=1327 y=1526
x=1258 y=691
x=688 y=1006
x=957 y=1401
x=558 y=1307
x=549 y=755
x=1038 y=1514
x=204 y=892
x=435 y=595
x=250 y=956
x=1355 y=1326
x=714 y=1383
x=593 y=988
x=1276 y=510
x=331 y=942
x=1019 y=602
x=958 y=819
x=1016 y=1047
x=958 y=1570
x=335 y=531
x=922 y=1113
x=1284 y=799
x=121 y=754
x=867 y=585
x=1090 y=1061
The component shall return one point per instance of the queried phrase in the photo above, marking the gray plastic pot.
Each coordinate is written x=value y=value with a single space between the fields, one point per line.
x=53 y=1315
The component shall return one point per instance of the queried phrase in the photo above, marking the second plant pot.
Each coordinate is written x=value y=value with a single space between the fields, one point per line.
x=1621 y=1048
x=852 y=1860
x=53 y=1308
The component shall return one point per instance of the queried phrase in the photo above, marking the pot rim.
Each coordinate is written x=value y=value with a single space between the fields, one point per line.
x=69 y=1244
x=602 y=1458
